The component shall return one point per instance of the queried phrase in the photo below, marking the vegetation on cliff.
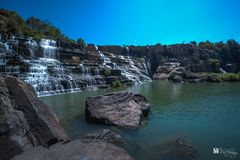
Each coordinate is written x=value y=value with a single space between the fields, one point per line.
x=13 y=24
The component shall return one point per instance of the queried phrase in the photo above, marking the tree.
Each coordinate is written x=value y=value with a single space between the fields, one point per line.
x=234 y=51
x=81 y=42
x=206 y=45
x=193 y=43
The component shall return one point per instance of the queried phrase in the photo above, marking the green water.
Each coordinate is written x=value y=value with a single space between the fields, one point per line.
x=207 y=113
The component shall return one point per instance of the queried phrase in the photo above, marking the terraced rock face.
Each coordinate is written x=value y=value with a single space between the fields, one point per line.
x=53 y=67
x=123 y=109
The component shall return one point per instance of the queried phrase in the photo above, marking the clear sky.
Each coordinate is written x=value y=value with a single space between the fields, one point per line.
x=137 y=22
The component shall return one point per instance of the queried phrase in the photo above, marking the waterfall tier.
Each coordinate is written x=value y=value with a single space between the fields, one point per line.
x=53 y=69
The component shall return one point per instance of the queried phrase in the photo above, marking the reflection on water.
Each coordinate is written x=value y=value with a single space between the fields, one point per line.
x=207 y=113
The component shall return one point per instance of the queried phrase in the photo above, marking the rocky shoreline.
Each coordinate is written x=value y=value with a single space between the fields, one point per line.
x=28 y=127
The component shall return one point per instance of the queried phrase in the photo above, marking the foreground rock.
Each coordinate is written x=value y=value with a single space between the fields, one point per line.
x=123 y=109
x=76 y=150
x=99 y=145
x=29 y=130
x=25 y=121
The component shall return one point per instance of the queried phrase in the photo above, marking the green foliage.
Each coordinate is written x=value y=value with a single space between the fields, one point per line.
x=206 y=45
x=107 y=72
x=12 y=23
x=69 y=40
x=230 y=77
x=116 y=83
x=37 y=28
x=81 y=42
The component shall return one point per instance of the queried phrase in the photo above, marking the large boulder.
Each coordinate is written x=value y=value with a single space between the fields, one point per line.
x=76 y=150
x=25 y=121
x=123 y=109
x=97 y=145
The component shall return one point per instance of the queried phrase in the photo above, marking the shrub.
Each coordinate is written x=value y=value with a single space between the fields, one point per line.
x=116 y=83
x=230 y=77
x=107 y=72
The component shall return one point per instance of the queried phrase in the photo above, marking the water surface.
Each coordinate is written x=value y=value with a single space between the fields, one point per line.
x=207 y=113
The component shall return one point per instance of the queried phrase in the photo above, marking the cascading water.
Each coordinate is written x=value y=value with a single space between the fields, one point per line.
x=41 y=65
x=127 y=67
x=49 y=48
x=32 y=46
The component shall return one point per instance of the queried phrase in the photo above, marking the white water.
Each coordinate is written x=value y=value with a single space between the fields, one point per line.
x=48 y=75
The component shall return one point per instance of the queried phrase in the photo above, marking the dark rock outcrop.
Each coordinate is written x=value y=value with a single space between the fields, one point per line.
x=76 y=150
x=25 y=121
x=98 y=145
x=28 y=127
x=123 y=109
x=177 y=79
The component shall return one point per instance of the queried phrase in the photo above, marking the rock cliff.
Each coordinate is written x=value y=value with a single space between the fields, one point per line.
x=28 y=127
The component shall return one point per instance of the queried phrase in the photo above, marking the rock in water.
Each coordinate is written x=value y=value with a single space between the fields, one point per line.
x=76 y=150
x=98 y=145
x=123 y=109
x=25 y=121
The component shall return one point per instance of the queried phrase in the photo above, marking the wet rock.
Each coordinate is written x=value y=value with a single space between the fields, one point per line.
x=231 y=68
x=169 y=70
x=195 y=80
x=123 y=109
x=177 y=79
x=25 y=121
x=213 y=78
x=104 y=135
x=76 y=150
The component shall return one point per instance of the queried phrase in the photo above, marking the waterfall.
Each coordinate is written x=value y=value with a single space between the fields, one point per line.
x=128 y=68
x=37 y=64
x=49 y=48
x=127 y=49
x=32 y=46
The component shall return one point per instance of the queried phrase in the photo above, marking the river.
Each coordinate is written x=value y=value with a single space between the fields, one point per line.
x=207 y=113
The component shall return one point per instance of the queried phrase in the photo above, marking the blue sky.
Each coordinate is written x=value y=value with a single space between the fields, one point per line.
x=138 y=22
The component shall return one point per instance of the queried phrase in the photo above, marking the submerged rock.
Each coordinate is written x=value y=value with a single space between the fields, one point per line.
x=123 y=109
x=179 y=148
x=25 y=121
x=175 y=148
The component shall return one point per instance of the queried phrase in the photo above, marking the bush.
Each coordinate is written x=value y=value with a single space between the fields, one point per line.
x=230 y=77
x=107 y=72
x=116 y=83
